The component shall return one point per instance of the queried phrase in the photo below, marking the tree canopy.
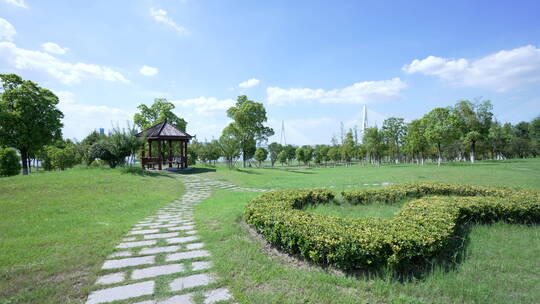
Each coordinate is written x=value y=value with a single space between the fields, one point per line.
x=248 y=125
x=159 y=111
x=29 y=117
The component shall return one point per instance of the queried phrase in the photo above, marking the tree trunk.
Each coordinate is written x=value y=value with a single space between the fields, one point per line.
x=439 y=159
x=24 y=157
x=472 y=151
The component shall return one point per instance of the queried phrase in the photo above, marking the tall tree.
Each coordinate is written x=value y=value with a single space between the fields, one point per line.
x=394 y=130
x=441 y=128
x=374 y=142
x=248 y=125
x=415 y=141
x=260 y=155
x=474 y=122
x=159 y=111
x=348 y=147
x=29 y=118
x=230 y=148
x=273 y=150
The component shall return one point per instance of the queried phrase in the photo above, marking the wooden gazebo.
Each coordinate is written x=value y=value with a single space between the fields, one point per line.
x=160 y=133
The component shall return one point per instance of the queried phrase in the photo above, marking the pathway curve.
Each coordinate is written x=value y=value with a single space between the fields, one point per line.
x=164 y=253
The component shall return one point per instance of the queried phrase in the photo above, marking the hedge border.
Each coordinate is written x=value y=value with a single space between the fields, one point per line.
x=422 y=230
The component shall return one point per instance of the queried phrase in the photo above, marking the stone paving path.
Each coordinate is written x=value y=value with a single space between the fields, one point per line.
x=164 y=253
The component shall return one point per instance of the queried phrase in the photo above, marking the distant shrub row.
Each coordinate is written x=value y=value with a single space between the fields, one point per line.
x=422 y=231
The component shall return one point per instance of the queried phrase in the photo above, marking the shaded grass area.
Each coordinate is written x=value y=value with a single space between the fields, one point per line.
x=500 y=265
x=514 y=173
x=56 y=228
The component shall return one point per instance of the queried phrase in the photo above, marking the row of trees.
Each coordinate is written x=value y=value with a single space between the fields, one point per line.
x=465 y=131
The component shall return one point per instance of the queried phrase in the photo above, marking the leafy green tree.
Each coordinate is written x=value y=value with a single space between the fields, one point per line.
x=159 y=111
x=83 y=148
x=374 y=142
x=441 y=128
x=248 y=125
x=348 y=147
x=308 y=154
x=214 y=151
x=300 y=155
x=260 y=155
x=29 y=117
x=61 y=158
x=321 y=154
x=290 y=151
x=273 y=150
x=473 y=123
x=535 y=135
x=415 y=140
x=10 y=162
x=230 y=148
x=282 y=157
x=394 y=130
x=334 y=154
x=115 y=148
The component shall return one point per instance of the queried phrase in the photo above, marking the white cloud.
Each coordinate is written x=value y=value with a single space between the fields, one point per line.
x=205 y=105
x=51 y=47
x=501 y=71
x=148 y=71
x=81 y=119
x=19 y=3
x=65 y=72
x=160 y=15
x=249 y=83
x=360 y=92
x=7 y=30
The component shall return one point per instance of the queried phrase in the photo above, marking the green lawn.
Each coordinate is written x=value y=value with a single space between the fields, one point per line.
x=500 y=264
x=56 y=228
x=518 y=173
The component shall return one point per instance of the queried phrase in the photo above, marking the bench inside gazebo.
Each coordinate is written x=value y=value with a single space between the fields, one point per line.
x=157 y=135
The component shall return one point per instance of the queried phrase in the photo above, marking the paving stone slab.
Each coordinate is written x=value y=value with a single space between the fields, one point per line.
x=111 y=278
x=187 y=255
x=154 y=250
x=121 y=292
x=144 y=231
x=191 y=281
x=136 y=244
x=194 y=246
x=128 y=262
x=161 y=235
x=155 y=271
x=181 y=228
x=185 y=239
x=216 y=295
x=196 y=266
x=120 y=254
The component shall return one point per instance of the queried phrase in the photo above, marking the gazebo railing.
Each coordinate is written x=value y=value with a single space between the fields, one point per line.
x=154 y=160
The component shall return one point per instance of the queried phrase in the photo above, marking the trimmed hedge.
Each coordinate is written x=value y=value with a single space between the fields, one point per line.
x=422 y=230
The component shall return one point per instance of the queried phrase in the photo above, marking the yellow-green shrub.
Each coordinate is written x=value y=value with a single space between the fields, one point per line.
x=421 y=231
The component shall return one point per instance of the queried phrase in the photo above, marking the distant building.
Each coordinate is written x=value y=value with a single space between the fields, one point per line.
x=102 y=131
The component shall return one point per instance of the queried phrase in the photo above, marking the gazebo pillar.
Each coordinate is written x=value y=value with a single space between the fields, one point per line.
x=150 y=153
x=160 y=159
x=170 y=154
x=142 y=154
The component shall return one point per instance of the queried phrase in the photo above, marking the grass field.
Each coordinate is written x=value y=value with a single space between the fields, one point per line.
x=56 y=228
x=500 y=262
x=515 y=173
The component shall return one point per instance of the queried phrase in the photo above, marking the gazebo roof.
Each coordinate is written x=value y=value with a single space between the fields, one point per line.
x=164 y=130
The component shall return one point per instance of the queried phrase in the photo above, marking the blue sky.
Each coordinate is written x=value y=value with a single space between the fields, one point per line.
x=313 y=64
